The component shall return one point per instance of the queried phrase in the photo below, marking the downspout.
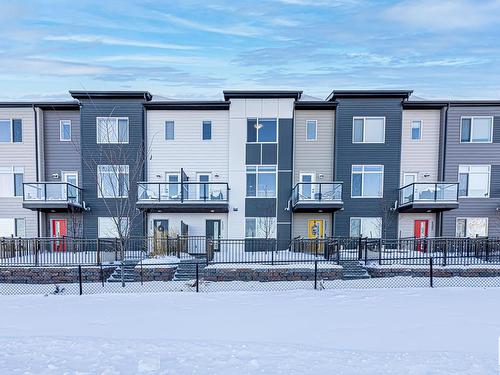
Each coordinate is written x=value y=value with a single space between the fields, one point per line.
x=145 y=165
x=37 y=174
x=439 y=218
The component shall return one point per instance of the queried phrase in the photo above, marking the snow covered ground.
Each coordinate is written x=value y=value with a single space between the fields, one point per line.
x=376 y=331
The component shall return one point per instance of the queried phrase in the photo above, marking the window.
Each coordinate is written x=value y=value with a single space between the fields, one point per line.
x=169 y=130
x=262 y=130
x=65 y=130
x=12 y=227
x=474 y=181
x=11 y=181
x=261 y=181
x=20 y=227
x=368 y=130
x=108 y=227
x=112 y=129
x=311 y=130
x=366 y=227
x=11 y=130
x=472 y=227
x=367 y=181
x=409 y=178
x=416 y=130
x=112 y=181
x=206 y=130
x=476 y=129
x=203 y=189
x=260 y=227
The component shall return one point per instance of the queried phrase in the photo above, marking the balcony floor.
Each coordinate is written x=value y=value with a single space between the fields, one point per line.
x=52 y=206
x=183 y=207
x=420 y=207
x=317 y=206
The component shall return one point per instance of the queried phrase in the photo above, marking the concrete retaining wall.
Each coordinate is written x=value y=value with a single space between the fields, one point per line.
x=270 y=274
x=437 y=272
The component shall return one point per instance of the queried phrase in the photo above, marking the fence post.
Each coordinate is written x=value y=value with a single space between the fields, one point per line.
x=380 y=256
x=80 y=278
x=487 y=250
x=141 y=271
x=98 y=248
x=360 y=254
x=337 y=249
x=197 y=278
x=102 y=275
x=431 y=271
x=315 y=274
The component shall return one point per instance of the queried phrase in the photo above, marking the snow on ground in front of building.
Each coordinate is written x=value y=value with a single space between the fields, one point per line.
x=372 y=331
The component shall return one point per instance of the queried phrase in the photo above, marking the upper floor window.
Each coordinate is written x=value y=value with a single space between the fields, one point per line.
x=11 y=131
x=65 y=130
x=112 y=129
x=367 y=181
x=474 y=181
x=261 y=181
x=262 y=130
x=169 y=130
x=472 y=227
x=112 y=181
x=416 y=130
x=311 y=130
x=478 y=129
x=368 y=130
x=11 y=181
x=206 y=130
x=366 y=227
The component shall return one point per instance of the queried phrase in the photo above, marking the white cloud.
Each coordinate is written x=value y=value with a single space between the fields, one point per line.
x=79 y=38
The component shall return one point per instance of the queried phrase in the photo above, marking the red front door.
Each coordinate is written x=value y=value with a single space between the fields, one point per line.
x=59 y=230
x=421 y=230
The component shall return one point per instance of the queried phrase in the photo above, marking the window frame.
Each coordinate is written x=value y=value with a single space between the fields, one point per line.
x=466 y=218
x=203 y=130
x=364 y=118
x=257 y=173
x=100 y=191
x=99 y=219
x=11 y=129
x=489 y=181
x=361 y=218
x=165 y=130
x=257 y=119
x=16 y=226
x=363 y=179
x=420 y=130
x=13 y=170
x=256 y=219
x=117 y=130
x=472 y=127
x=315 y=130
x=61 y=132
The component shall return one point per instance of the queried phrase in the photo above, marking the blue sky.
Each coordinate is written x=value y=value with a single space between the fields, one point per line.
x=195 y=49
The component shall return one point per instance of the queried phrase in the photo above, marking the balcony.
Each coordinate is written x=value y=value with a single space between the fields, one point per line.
x=183 y=196
x=52 y=197
x=317 y=197
x=428 y=197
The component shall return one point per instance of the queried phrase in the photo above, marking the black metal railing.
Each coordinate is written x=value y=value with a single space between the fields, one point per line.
x=428 y=192
x=179 y=192
x=52 y=192
x=326 y=192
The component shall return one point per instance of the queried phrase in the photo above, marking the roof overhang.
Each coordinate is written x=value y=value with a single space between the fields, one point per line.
x=144 y=95
x=236 y=94
x=403 y=94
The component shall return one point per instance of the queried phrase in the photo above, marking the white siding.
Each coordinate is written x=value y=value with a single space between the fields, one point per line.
x=196 y=222
x=20 y=155
x=300 y=223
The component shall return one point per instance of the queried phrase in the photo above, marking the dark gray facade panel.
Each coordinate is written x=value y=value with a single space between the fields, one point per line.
x=253 y=153
x=496 y=129
x=387 y=154
x=260 y=207
x=284 y=193
x=93 y=153
x=270 y=153
x=472 y=153
x=285 y=148
x=283 y=235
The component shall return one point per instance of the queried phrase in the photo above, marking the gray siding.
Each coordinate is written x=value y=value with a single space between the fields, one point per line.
x=387 y=154
x=472 y=153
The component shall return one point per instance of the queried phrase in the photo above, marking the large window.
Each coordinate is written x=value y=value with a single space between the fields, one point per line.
x=112 y=129
x=368 y=130
x=367 y=181
x=108 y=227
x=261 y=181
x=366 y=227
x=260 y=227
x=474 y=181
x=311 y=130
x=169 y=130
x=12 y=227
x=472 y=227
x=11 y=181
x=262 y=130
x=112 y=181
x=65 y=130
x=206 y=130
x=416 y=130
x=476 y=129
x=11 y=130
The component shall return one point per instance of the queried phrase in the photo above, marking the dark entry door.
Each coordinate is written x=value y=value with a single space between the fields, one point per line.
x=213 y=230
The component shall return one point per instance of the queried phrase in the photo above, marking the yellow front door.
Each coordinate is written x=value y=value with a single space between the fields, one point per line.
x=315 y=228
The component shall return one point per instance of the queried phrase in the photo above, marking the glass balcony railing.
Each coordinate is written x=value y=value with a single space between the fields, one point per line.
x=317 y=192
x=428 y=192
x=52 y=192
x=178 y=192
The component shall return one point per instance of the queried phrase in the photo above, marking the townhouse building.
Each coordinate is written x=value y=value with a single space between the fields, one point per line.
x=257 y=164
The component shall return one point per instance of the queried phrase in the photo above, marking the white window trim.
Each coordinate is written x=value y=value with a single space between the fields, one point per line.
x=315 y=131
x=11 y=127
x=263 y=118
x=363 y=179
x=421 y=131
x=256 y=218
x=61 y=123
x=468 y=218
x=117 y=119
x=489 y=181
x=403 y=184
x=257 y=180
x=472 y=126
x=364 y=132
x=14 y=170
x=361 y=223
x=211 y=131
x=100 y=190
x=173 y=139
